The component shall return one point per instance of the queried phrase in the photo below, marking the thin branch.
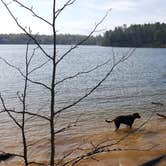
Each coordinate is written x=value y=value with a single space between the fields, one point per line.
x=68 y=3
x=61 y=161
x=14 y=67
x=7 y=156
x=25 y=31
x=85 y=39
x=38 y=67
x=98 y=84
x=99 y=148
x=22 y=74
x=33 y=54
x=161 y=115
x=32 y=11
x=36 y=163
x=39 y=83
x=37 y=113
x=84 y=72
x=39 y=141
x=21 y=112
x=8 y=112
x=19 y=97
x=70 y=125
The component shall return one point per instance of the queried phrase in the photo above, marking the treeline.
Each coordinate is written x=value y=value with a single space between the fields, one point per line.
x=146 y=35
x=46 y=39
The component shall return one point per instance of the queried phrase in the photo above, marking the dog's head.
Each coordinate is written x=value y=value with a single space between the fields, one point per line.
x=136 y=115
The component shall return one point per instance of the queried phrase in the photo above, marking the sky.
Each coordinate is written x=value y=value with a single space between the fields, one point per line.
x=82 y=16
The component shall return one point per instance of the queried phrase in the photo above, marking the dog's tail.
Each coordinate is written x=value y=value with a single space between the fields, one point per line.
x=109 y=121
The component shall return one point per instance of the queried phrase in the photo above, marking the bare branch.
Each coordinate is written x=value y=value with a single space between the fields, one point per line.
x=22 y=74
x=38 y=67
x=85 y=39
x=98 y=84
x=68 y=3
x=26 y=112
x=19 y=97
x=32 y=11
x=99 y=148
x=16 y=68
x=36 y=163
x=70 y=125
x=7 y=156
x=37 y=113
x=84 y=72
x=38 y=141
x=61 y=161
x=161 y=115
x=33 y=54
x=25 y=31
x=8 y=112
x=39 y=83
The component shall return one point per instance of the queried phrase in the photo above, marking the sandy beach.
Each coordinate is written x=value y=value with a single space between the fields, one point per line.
x=125 y=147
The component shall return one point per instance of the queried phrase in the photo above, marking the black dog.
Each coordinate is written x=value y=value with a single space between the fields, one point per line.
x=125 y=119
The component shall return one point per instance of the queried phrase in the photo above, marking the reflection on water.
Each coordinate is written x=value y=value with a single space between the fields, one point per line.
x=135 y=82
x=131 y=88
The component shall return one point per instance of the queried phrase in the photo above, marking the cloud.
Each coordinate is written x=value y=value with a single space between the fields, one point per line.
x=81 y=16
x=119 y=5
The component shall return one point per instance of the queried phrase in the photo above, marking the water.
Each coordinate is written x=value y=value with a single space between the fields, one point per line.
x=134 y=83
x=131 y=87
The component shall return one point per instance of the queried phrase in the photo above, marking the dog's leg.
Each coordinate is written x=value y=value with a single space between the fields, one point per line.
x=117 y=125
x=131 y=124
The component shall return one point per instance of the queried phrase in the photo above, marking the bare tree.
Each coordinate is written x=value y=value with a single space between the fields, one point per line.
x=54 y=60
x=22 y=96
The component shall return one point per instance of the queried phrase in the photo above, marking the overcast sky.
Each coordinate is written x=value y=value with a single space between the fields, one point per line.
x=83 y=14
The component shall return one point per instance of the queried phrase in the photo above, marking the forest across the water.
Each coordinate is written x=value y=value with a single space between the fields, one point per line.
x=137 y=35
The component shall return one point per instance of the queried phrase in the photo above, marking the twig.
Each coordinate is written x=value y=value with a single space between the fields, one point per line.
x=26 y=112
x=25 y=77
x=25 y=31
x=161 y=115
x=32 y=11
x=38 y=67
x=8 y=112
x=98 y=84
x=100 y=149
x=83 y=72
x=72 y=124
x=85 y=39
x=68 y=3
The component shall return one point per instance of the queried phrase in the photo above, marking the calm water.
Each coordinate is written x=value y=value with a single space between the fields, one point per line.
x=131 y=87
x=134 y=83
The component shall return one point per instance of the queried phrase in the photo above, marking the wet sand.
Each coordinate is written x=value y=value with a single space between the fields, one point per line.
x=136 y=146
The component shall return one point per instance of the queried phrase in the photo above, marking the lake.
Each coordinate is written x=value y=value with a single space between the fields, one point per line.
x=131 y=87
x=134 y=83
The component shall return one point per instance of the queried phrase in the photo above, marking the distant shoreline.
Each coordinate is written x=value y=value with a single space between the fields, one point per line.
x=129 y=46
x=136 y=35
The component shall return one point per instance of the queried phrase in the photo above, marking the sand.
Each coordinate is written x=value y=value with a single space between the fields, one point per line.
x=137 y=145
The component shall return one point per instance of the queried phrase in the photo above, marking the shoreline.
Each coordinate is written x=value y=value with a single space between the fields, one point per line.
x=138 y=147
x=161 y=47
